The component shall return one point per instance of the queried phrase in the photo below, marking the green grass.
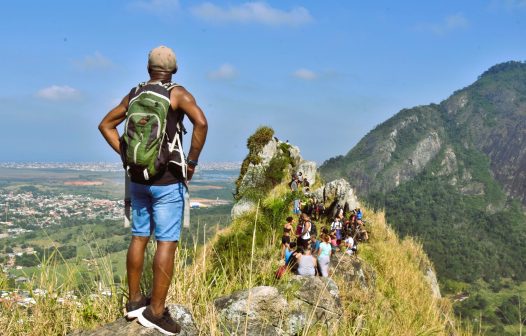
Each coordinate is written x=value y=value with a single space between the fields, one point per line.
x=486 y=301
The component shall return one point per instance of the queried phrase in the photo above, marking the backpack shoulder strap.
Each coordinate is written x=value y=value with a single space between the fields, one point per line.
x=180 y=126
x=170 y=85
x=140 y=85
x=135 y=90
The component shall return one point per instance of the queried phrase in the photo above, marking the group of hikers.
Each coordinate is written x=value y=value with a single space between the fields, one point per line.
x=303 y=251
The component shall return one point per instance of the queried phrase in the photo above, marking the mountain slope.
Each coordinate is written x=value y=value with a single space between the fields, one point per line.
x=453 y=174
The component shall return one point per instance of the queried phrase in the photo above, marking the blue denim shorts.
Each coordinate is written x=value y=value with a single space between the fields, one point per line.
x=157 y=209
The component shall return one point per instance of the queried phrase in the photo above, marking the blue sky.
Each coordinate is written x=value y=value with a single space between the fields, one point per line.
x=321 y=73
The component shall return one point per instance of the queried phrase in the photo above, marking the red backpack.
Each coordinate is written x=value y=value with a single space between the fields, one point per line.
x=299 y=229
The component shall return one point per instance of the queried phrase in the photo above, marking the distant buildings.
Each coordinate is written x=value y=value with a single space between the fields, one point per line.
x=38 y=211
x=105 y=166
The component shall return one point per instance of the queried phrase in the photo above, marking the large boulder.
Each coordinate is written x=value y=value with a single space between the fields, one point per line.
x=353 y=270
x=295 y=155
x=122 y=327
x=308 y=170
x=242 y=207
x=317 y=298
x=258 y=311
x=269 y=151
x=339 y=192
x=266 y=311
x=255 y=174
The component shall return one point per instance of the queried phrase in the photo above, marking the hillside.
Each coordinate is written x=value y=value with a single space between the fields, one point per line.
x=378 y=293
x=398 y=302
x=488 y=117
x=453 y=174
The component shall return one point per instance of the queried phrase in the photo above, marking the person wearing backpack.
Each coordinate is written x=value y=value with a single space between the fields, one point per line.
x=304 y=238
x=324 y=254
x=151 y=151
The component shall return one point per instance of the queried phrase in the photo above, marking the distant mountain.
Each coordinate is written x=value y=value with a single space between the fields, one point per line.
x=453 y=174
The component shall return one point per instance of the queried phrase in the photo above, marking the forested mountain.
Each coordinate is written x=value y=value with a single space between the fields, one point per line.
x=453 y=174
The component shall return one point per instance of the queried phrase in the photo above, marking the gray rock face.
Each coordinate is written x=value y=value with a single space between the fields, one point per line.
x=431 y=279
x=241 y=208
x=255 y=173
x=473 y=188
x=317 y=299
x=426 y=149
x=308 y=169
x=339 y=190
x=353 y=270
x=449 y=165
x=121 y=327
x=269 y=151
x=389 y=145
x=254 y=176
x=259 y=311
x=295 y=154
x=506 y=148
x=266 y=311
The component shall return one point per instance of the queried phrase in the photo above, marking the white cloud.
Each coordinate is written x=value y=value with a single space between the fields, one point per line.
x=305 y=74
x=97 y=61
x=158 y=7
x=57 y=93
x=252 y=12
x=225 y=71
x=449 y=23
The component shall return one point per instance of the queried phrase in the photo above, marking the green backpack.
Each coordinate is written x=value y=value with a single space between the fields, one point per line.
x=146 y=146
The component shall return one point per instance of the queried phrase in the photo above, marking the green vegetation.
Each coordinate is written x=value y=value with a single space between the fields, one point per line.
x=464 y=204
x=255 y=144
x=246 y=254
x=465 y=242
x=62 y=303
x=495 y=309
x=241 y=255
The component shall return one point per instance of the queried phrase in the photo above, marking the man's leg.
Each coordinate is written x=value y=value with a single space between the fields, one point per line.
x=167 y=214
x=141 y=230
x=134 y=265
x=163 y=265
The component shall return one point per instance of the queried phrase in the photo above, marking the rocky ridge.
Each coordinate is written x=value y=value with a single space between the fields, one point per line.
x=296 y=303
x=489 y=116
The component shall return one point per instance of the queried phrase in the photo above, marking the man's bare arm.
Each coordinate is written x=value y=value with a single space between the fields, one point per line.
x=108 y=125
x=183 y=100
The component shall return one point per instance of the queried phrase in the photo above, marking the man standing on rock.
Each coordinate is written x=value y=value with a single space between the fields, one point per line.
x=157 y=199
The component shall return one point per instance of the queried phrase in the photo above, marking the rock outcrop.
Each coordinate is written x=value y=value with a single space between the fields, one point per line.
x=255 y=173
x=354 y=271
x=243 y=206
x=340 y=191
x=266 y=310
x=431 y=278
x=308 y=170
x=122 y=327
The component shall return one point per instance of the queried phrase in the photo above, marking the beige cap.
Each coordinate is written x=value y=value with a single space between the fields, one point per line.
x=162 y=59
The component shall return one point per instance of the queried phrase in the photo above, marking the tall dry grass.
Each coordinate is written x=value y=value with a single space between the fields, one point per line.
x=61 y=304
x=400 y=304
